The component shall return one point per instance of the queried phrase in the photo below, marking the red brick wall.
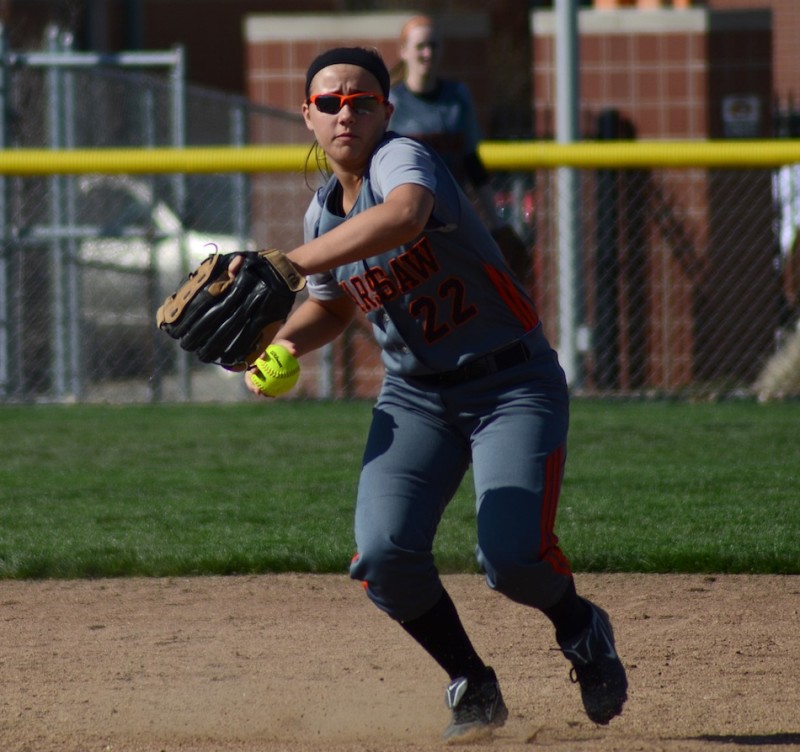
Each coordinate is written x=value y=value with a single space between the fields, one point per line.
x=666 y=73
x=214 y=38
x=279 y=48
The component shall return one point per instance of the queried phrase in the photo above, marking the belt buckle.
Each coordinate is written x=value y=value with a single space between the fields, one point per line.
x=475 y=369
x=491 y=364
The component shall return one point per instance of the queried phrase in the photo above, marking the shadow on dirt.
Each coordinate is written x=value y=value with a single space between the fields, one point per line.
x=753 y=740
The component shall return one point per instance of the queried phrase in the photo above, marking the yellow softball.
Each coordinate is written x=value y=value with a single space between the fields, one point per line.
x=278 y=371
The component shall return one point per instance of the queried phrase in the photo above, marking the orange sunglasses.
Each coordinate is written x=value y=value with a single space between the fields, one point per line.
x=362 y=102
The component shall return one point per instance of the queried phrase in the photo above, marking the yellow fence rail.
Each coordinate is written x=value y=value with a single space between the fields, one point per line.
x=498 y=155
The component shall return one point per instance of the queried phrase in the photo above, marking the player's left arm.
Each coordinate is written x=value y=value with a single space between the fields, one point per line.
x=399 y=219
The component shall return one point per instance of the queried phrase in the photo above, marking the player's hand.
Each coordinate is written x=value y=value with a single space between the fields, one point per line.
x=235 y=265
x=252 y=387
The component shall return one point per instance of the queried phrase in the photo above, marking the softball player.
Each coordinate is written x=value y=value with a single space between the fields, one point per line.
x=470 y=378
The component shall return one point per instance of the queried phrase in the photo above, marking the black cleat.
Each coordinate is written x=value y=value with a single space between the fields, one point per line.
x=477 y=707
x=597 y=668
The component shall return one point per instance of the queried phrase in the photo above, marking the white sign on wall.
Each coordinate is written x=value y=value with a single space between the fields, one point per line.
x=741 y=116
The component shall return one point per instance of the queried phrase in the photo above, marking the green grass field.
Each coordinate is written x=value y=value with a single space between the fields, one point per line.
x=102 y=491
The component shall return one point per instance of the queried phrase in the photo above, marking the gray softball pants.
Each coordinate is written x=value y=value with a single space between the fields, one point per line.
x=512 y=427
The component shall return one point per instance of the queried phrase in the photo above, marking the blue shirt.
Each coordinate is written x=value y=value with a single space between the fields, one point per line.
x=445 y=119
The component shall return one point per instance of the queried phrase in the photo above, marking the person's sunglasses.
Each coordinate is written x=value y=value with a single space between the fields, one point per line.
x=362 y=103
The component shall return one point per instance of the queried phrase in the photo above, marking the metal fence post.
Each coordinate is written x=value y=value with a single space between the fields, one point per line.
x=58 y=328
x=5 y=306
x=154 y=291
x=568 y=204
x=178 y=113
x=75 y=357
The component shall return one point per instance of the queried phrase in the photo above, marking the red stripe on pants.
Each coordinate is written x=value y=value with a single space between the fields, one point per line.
x=549 y=550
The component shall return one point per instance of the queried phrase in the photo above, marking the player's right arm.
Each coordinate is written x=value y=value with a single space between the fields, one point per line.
x=315 y=323
x=400 y=218
x=311 y=325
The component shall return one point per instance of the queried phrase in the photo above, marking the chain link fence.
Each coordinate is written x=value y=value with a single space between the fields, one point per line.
x=87 y=259
x=685 y=280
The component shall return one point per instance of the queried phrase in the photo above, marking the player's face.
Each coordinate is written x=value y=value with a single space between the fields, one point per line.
x=421 y=51
x=349 y=135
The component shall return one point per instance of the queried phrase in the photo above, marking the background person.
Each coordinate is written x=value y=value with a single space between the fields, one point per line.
x=441 y=113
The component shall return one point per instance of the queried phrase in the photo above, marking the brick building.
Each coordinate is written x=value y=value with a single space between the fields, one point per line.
x=212 y=30
x=658 y=69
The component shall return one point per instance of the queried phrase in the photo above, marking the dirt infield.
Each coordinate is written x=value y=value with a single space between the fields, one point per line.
x=297 y=663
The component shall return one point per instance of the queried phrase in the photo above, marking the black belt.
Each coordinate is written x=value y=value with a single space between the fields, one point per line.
x=485 y=365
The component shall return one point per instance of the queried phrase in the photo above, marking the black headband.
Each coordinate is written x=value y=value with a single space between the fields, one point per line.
x=363 y=58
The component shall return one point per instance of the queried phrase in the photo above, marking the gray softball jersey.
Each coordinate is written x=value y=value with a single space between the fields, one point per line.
x=443 y=298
